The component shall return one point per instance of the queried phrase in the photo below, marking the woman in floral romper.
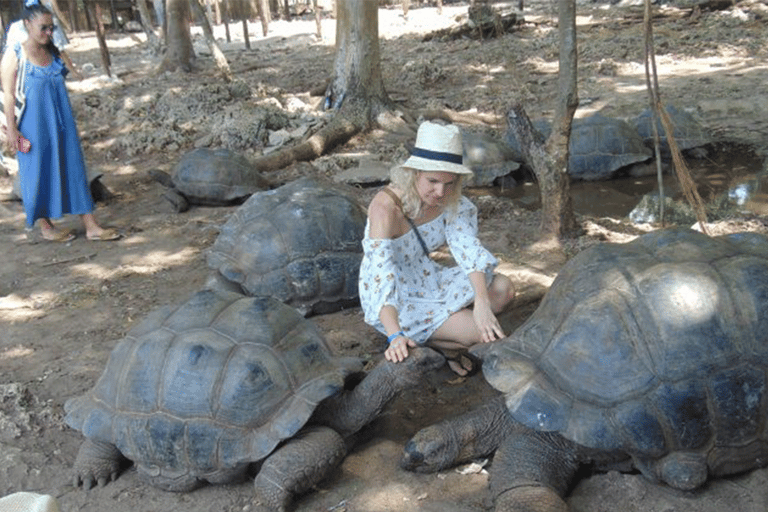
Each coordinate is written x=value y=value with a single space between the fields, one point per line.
x=406 y=295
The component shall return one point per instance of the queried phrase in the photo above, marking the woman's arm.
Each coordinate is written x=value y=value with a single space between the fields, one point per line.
x=385 y=218
x=8 y=66
x=485 y=320
x=70 y=65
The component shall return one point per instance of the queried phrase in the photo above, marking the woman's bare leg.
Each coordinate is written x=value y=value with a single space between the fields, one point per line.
x=501 y=292
x=460 y=332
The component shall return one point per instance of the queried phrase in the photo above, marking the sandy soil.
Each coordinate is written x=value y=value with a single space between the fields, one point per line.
x=64 y=307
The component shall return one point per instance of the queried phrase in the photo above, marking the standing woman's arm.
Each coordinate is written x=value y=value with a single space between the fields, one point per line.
x=8 y=68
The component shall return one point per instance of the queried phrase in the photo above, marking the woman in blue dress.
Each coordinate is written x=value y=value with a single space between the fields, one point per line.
x=52 y=169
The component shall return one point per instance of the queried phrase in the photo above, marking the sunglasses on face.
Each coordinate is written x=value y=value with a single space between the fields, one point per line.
x=46 y=28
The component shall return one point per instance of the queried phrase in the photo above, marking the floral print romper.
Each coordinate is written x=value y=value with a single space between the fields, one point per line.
x=424 y=293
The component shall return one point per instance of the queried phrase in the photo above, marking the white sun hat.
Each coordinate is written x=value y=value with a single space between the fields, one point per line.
x=437 y=148
x=28 y=502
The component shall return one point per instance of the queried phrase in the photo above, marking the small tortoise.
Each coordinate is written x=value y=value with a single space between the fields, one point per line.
x=689 y=134
x=199 y=393
x=210 y=177
x=651 y=354
x=599 y=146
x=300 y=243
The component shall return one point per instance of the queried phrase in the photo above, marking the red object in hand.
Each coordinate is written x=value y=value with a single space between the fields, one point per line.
x=24 y=144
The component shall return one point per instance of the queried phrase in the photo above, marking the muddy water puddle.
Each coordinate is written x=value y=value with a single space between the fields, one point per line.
x=733 y=170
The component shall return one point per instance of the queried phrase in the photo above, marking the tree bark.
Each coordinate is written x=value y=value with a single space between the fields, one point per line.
x=178 y=38
x=357 y=67
x=549 y=159
x=218 y=55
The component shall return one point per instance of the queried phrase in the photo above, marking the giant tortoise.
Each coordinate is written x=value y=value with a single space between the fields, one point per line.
x=599 y=146
x=649 y=355
x=210 y=177
x=201 y=392
x=689 y=134
x=300 y=243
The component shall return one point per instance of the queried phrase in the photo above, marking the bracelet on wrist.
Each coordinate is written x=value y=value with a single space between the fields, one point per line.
x=392 y=337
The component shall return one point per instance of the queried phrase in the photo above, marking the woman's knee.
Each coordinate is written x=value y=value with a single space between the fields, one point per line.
x=501 y=292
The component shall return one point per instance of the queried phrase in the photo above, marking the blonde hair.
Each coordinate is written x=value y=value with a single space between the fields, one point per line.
x=404 y=178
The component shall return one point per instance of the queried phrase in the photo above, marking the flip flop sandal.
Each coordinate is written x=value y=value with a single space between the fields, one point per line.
x=107 y=235
x=59 y=236
x=466 y=360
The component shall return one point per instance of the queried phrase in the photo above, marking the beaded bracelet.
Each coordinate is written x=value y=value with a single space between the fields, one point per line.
x=392 y=337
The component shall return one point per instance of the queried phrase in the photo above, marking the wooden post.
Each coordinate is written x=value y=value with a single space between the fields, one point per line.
x=113 y=13
x=94 y=17
x=225 y=18
x=318 y=19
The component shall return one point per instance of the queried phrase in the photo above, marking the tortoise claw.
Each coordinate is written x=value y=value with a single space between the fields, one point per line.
x=87 y=482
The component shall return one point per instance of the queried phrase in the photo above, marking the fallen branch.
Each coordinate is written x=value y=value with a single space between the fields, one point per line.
x=69 y=260
x=339 y=130
x=451 y=116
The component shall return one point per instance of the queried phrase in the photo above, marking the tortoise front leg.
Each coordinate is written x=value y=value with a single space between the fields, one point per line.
x=297 y=466
x=96 y=463
x=532 y=471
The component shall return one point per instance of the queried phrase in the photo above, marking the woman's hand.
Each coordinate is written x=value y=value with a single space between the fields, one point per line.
x=486 y=322
x=16 y=141
x=398 y=349
x=12 y=138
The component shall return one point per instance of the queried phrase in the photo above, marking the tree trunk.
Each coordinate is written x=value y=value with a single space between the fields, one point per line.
x=218 y=55
x=146 y=24
x=357 y=68
x=356 y=91
x=178 y=38
x=72 y=16
x=549 y=159
x=112 y=14
x=318 y=19
x=56 y=11
x=94 y=13
x=225 y=19
x=261 y=7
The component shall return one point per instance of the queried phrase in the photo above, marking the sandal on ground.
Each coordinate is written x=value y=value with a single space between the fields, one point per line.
x=106 y=235
x=465 y=364
x=59 y=236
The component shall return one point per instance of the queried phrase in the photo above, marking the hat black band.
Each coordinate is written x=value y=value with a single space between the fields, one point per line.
x=437 y=155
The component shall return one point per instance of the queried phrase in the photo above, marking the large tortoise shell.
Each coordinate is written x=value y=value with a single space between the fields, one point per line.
x=648 y=347
x=216 y=177
x=215 y=383
x=300 y=243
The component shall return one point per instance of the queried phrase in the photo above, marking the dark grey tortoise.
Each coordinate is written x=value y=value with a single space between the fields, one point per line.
x=200 y=393
x=599 y=146
x=300 y=243
x=690 y=135
x=649 y=355
x=210 y=177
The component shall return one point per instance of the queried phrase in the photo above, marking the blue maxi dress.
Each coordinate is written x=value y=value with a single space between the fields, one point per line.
x=53 y=176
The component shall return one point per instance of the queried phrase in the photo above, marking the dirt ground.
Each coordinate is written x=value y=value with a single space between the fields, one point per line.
x=63 y=307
